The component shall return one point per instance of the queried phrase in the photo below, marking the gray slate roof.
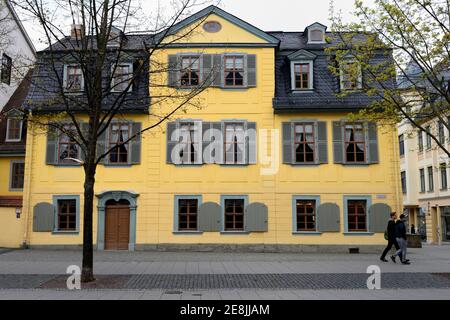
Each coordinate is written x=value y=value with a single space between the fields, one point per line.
x=326 y=84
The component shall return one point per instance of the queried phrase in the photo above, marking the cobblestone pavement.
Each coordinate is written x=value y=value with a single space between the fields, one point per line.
x=427 y=260
x=238 y=281
x=233 y=295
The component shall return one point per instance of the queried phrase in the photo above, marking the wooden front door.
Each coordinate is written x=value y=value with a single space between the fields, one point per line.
x=117 y=227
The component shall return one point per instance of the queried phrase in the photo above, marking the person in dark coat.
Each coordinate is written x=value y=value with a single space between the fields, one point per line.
x=402 y=240
x=392 y=241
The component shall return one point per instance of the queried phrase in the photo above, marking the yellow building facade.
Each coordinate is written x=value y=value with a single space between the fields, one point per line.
x=158 y=195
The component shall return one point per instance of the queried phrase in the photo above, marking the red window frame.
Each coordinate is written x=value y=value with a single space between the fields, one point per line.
x=304 y=143
x=190 y=70
x=303 y=211
x=17 y=175
x=235 y=217
x=191 y=214
x=354 y=143
x=304 y=70
x=14 y=129
x=357 y=215
x=67 y=215
x=117 y=151
x=234 y=71
x=69 y=144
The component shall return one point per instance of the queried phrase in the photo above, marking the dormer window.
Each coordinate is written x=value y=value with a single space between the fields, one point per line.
x=351 y=75
x=302 y=70
x=316 y=33
x=302 y=75
x=73 y=79
x=14 y=130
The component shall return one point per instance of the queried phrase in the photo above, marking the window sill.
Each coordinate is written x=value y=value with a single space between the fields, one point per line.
x=66 y=165
x=117 y=165
x=304 y=233
x=306 y=164
x=65 y=233
x=359 y=233
x=302 y=91
x=237 y=233
x=193 y=233
x=13 y=141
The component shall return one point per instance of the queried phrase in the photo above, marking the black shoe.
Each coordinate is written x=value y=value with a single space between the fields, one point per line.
x=406 y=262
x=393 y=259
x=384 y=260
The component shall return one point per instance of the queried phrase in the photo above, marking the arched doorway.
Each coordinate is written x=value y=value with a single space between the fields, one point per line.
x=116 y=228
x=117 y=225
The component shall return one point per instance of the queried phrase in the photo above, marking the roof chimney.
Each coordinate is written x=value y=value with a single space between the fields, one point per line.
x=77 y=32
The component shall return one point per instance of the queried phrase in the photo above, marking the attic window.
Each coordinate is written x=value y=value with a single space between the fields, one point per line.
x=212 y=27
x=316 y=36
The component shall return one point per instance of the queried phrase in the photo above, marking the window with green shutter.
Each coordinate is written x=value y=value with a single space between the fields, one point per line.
x=355 y=143
x=305 y=142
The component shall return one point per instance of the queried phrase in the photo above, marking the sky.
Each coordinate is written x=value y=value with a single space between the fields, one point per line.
x=268 y=15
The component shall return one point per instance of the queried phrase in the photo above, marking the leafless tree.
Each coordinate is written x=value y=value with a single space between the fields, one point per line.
x=101 y=41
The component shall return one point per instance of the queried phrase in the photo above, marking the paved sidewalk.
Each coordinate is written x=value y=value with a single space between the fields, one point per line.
x=261 y=295
x=427 y=260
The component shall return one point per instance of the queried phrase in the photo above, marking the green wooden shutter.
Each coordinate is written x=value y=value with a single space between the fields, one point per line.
x=220 y=142
x=251 y=70
x=52 y=146
x=222 y=71
x=373 y=143
x=287 y=143
x=338 y=142
x=206 y=141
x=251 y=143
x=101 y=146
x=328 y=218
x=207 y=72
x=209 y=217
x=136 y=143
x=217 y=70
x=171 y=127
x=43 y=217
x=173 y=69
x=199 y=137
x=322 y=143
x=257 y=218
x=379 y=215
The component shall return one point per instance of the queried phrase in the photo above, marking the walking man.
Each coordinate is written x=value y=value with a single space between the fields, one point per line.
x=400 y=234
x=392 y=241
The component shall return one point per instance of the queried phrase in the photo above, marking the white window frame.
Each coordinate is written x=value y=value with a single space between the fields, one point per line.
x=130 y=65
x=311 y=75
x=65 y=79
x=8 y=139
x=341 y=76
x=316 y=42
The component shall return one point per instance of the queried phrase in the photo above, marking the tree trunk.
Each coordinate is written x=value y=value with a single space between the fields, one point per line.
x=87 y=274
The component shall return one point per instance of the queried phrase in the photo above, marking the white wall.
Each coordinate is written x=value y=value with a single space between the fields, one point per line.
x=19 y=50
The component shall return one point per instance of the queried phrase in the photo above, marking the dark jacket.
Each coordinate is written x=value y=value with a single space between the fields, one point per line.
x=391 y=230
x=400 y=230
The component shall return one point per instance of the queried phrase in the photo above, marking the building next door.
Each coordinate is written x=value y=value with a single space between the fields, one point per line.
x=446 y=227
x=117 y=225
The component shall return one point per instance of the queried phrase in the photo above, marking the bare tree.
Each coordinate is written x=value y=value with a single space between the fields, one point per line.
x=416 y=34
x=101 y=41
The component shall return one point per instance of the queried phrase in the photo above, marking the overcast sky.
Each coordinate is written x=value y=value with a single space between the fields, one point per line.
x=268 y=15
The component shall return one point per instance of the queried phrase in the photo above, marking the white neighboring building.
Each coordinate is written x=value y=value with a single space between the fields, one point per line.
x=18 y=52
x=425 y=177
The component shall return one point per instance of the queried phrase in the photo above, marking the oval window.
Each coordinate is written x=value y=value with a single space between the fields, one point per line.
x=212 y=26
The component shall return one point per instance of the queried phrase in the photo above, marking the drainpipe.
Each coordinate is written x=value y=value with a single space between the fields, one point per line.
x=28 y=162
x=396 y=161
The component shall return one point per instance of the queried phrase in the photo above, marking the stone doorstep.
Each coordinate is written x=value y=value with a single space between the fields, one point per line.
x=230 y=248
